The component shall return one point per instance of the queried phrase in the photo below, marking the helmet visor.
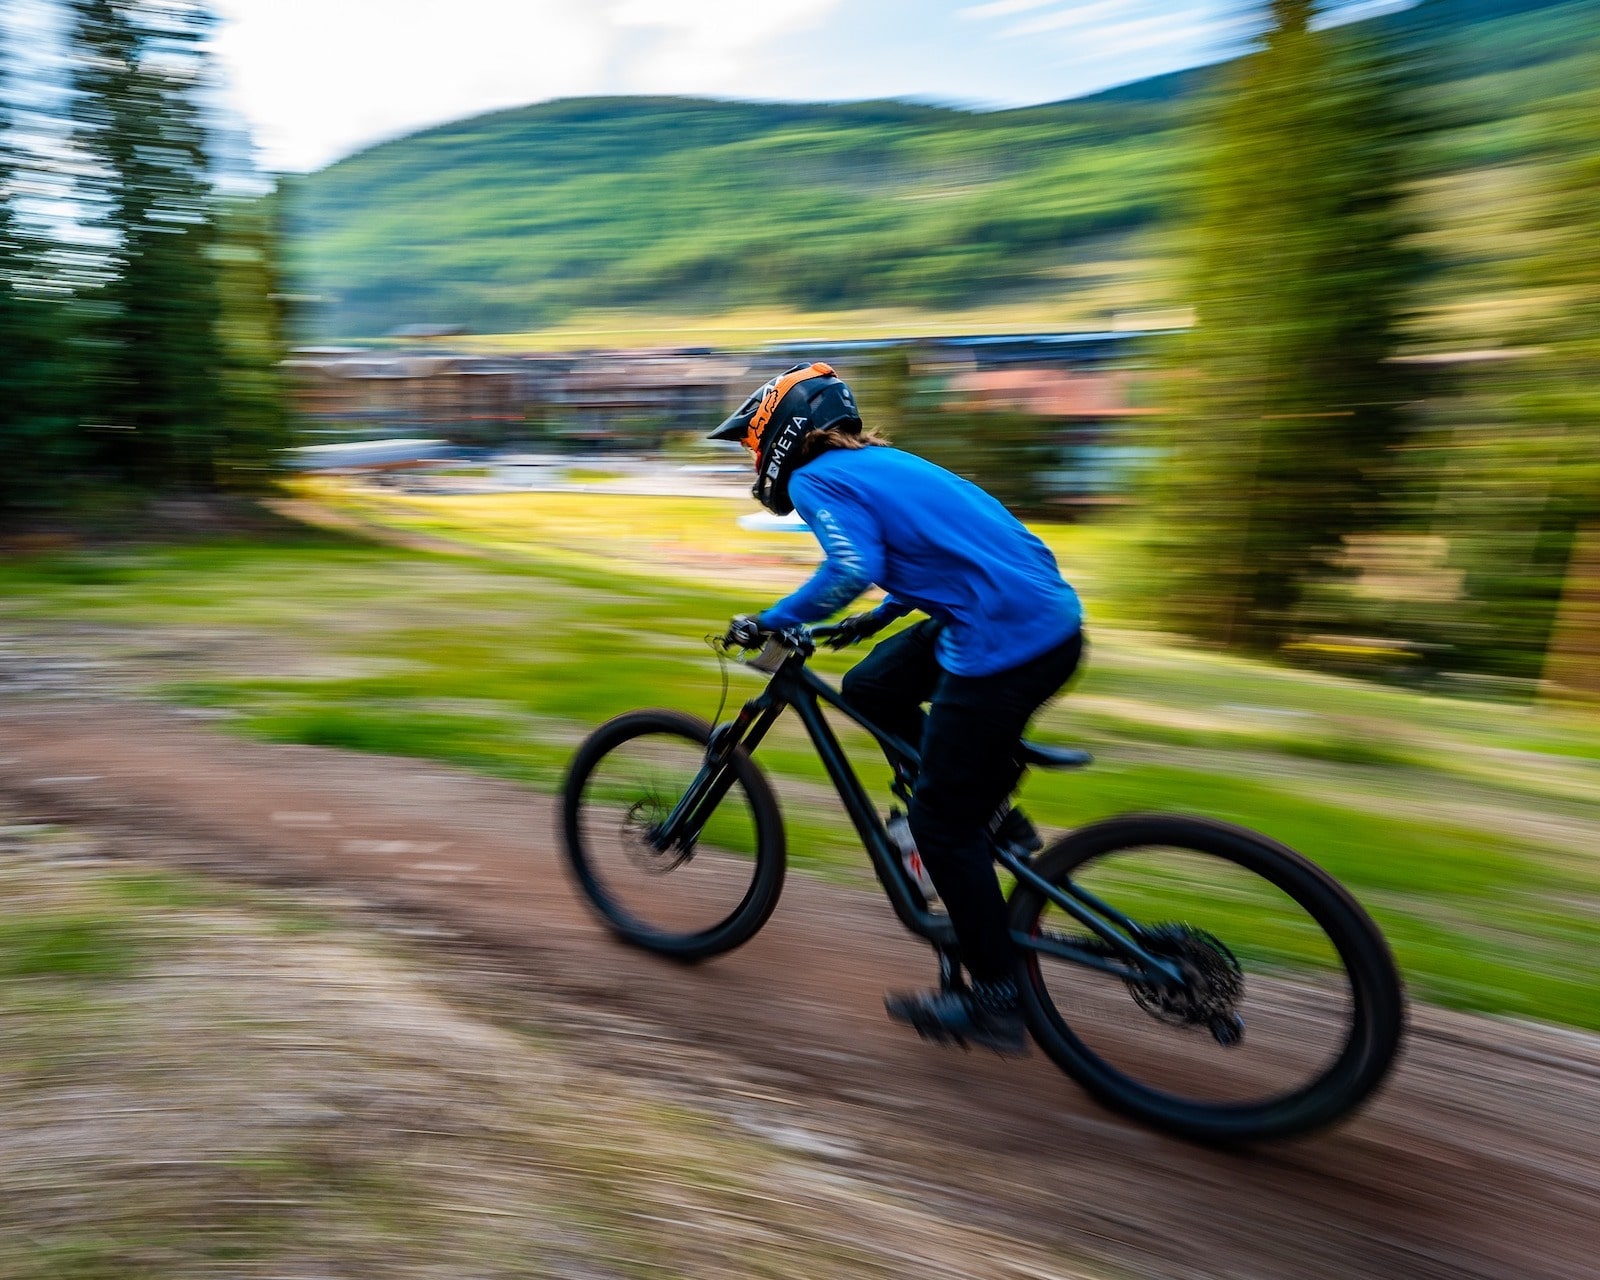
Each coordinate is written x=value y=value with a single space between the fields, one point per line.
x=737 y=424
x=749 y=422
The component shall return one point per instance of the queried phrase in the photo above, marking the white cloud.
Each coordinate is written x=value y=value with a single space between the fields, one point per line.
x=318 y=78
x=709 y=46
x=1002 y=8
x=1140 y=37
x=1146 y=34
x=730 y=21
x=1083 y=15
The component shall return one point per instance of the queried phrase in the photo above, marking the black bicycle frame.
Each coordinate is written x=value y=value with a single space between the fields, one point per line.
x=794 y=685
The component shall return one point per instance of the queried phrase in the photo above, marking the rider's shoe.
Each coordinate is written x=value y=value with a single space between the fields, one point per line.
x=985 y=1015
x=1012 y=829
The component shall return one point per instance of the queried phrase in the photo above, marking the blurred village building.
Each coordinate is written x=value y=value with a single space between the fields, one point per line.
x=338 y=391
x=605 y=400
x=1075 y=388
x=1077 y=411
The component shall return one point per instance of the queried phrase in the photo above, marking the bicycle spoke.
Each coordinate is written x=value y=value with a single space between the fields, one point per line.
x=1266 y=1006
x=676 y=887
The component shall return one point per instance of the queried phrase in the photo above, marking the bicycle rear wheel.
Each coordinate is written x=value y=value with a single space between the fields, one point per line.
x=689 y=903
x=1293 y=1011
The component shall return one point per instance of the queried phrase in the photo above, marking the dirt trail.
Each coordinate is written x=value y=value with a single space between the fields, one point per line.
x=1481 y=1159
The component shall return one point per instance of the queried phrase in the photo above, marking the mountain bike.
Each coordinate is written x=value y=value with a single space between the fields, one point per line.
x=1187 y=972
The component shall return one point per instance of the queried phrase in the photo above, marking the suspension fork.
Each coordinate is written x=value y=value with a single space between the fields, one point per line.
x=700 y=799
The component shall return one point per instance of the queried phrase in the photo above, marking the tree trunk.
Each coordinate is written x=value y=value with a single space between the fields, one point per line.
x=1572 y=663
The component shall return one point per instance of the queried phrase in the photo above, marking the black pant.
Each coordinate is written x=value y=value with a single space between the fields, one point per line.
x=968 y=739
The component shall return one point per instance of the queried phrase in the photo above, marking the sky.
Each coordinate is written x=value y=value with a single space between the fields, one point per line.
x=309 y=81
x=318 y=79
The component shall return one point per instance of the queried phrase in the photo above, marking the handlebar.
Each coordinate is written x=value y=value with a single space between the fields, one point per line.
x=803 y=638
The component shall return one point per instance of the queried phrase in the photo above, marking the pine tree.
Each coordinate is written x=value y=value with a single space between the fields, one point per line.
x=254 y=423
x=14 y=415
x=36 y=394
x=158 y=381
x=1285 y=407
x=1569 y=397
x=1523 y=502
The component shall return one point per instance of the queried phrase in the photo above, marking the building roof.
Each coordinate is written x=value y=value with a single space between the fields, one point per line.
x=1043 y=392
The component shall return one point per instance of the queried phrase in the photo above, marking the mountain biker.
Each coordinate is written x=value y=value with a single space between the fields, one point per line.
x=1003 y=634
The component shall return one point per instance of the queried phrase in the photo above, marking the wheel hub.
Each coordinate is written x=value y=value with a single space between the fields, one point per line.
x=1213 y=983
x=641 y=841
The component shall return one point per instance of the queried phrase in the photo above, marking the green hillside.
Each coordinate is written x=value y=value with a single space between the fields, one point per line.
x=520 y=218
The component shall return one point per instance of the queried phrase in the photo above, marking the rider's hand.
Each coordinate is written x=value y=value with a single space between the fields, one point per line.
x=745 y=632
x=857 y=627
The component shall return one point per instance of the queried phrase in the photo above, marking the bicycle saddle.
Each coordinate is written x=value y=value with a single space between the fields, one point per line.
x=1042 y=757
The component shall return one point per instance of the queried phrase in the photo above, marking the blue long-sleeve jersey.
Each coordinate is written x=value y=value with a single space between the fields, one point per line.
x=933 y=542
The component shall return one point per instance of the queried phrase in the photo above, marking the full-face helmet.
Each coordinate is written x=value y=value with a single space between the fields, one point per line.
x=775 y=419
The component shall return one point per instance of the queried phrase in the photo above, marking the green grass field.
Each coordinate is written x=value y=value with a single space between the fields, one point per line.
x=1129 y=291
x=1469 y=828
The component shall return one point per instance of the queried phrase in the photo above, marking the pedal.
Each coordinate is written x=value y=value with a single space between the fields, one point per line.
x=936 y=1034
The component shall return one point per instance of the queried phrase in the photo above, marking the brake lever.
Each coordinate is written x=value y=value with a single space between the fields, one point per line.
x=799 y=638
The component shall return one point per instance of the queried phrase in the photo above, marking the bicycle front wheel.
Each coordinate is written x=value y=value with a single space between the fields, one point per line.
x=684 y=902
x=1291 y=1010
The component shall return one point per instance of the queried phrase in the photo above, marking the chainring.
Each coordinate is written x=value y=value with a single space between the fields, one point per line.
x=1213 y=981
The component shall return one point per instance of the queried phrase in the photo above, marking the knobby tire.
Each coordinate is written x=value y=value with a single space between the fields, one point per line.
x=1378 y=1001
x=756 y=906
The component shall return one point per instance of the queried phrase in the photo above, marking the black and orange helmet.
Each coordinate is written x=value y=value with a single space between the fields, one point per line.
x=773 y=421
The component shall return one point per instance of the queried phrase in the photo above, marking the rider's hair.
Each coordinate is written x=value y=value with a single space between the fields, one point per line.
x=814 y=443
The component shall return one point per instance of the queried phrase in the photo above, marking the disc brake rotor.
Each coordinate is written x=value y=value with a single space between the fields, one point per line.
x=1212 y=986
x=639 y=841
